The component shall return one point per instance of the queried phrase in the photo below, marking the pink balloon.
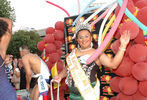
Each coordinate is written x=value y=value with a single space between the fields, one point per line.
x=125 y=67
x=128 y=85
x=131 y=27
x=114 y=84
x=122 y=96
x=138 y=96
x=143 y=88
x=138 y=53
x=139 y=71
x=110 y=34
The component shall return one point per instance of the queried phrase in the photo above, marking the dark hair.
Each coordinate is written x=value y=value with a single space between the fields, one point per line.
x=3 y=27
x=95 y=46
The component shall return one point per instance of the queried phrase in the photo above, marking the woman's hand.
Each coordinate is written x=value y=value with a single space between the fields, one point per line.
x=124 y=39
x=57 y=79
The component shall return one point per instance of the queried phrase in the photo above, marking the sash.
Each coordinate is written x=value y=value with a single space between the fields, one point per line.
x=43 y=87
x=81 y=80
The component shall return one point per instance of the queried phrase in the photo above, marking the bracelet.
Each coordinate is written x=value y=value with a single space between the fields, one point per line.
x=122 y=49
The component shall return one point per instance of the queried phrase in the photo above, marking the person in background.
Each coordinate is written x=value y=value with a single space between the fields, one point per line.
x=81 y=77
x=16 y=78
x=34 y=67
x=6 y=90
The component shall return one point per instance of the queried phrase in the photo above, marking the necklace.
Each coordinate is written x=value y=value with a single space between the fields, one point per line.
x=85 y=49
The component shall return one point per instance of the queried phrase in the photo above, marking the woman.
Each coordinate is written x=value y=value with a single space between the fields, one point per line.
x=6 y=90
x=83 y=84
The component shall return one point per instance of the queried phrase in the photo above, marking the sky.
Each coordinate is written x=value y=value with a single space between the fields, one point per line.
x=38 y=14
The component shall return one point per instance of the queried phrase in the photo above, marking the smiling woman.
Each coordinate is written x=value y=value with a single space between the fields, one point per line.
x=82 y=78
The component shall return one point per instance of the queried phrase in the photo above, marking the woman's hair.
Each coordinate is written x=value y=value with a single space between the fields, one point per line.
x=3 y=27
x=93 y=41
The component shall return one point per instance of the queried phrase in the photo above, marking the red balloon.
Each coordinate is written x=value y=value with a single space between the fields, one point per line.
x=128 y=85
x=142 y=16
x=128 y=49
x=125 y=67
x=59 y=35
x=122 y=96
x=138 y=53
x=131 y=27
x=58 y=44
x=50 y=30
x=143 y=88
x=49 y=38
x=59 y=25
x=131 y=7
x=138 y=96
x=141 y=3
x=60 y=52
x=114 y=84
x=54 y=57
x=140 y=38
x=60 y=66
x=41 y=45
x=50 y=48
x=117 y=34
x=49 y=64
x=113 y=98
x=115 y=46
x=139 y=71
x=134 y=1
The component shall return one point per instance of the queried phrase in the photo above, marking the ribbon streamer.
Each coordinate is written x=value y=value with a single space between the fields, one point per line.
x=133 y=18
x=83 y=12
x=110 y=34
x=99 y=10
x=104 y=22
x=59 y=7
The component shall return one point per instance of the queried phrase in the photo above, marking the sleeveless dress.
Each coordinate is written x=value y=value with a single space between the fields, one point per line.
x=7 y=92
x=91 y=71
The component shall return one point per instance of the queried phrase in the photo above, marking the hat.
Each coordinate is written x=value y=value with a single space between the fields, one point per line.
x=81 y=26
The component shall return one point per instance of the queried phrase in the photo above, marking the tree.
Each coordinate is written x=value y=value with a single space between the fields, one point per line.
x=6 y=10
x=22 y=37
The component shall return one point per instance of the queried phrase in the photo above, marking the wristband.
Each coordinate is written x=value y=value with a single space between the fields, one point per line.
x=122 y=49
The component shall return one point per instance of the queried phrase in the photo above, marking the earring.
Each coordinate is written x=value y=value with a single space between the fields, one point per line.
x=78 y=46
x=91 y=44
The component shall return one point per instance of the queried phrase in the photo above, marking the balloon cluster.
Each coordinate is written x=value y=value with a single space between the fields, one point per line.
x=51 y=45
x=51 y=51
x=131 y=82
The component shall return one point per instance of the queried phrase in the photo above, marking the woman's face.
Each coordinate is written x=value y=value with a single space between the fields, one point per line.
x=84 y=39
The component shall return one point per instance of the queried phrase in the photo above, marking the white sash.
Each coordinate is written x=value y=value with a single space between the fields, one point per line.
x=81 y=80
x=43 y=87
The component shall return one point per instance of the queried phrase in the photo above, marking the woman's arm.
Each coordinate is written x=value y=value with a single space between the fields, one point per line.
x=114 y=62
x=5 y=39
x=62 y=74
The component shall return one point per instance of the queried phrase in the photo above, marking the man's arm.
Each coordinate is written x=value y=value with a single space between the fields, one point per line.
x=28 y=72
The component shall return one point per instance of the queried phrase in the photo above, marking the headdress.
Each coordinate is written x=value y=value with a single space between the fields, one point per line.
x=81 y=26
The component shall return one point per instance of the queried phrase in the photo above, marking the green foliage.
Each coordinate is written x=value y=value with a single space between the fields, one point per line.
x=6 y=10
x=21 y=37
